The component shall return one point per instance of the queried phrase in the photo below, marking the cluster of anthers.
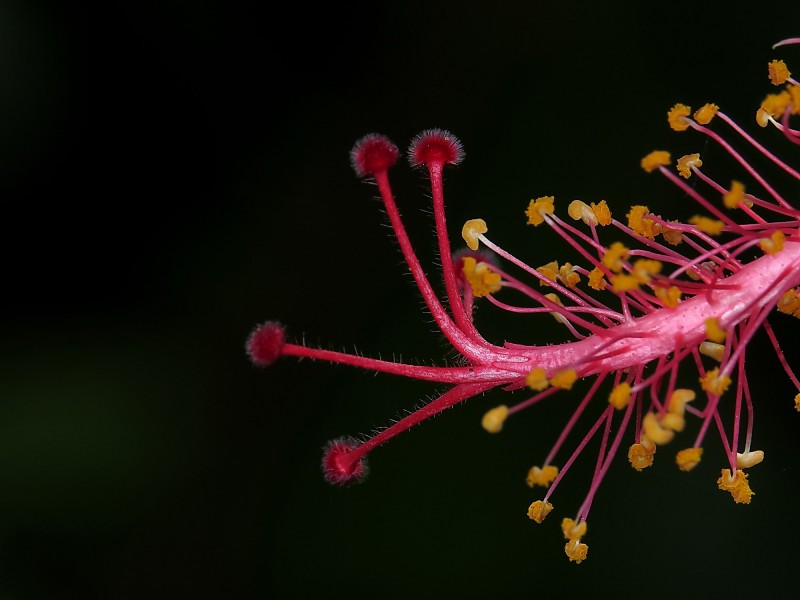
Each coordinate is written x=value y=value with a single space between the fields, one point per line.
x=670 y=293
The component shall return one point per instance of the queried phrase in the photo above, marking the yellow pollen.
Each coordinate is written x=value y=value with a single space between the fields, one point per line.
x=624 y=283
x=689 y=458
x=640 y=457
x=673 y=421
x=580 y=211
x=797 y=402
x=688 y=162
x=576 y=551
x=670 y=297
x=749 y=459
x=774 y=243
x=564 y=379
x=493 y=419
x=707 y=225
x=550 y=270
x=538 y=208
x=471 y=230
x=657 y=158
x=714 y=332
x=774 y=105
x=672 y=236
x=612 y=259
x=778 y=72
x=597 y=279
x=737 y=485
x=794 y=92
x=620 y=396
x=538 y=510
x=705 y=113
x=602 y=212
x=677 y=117
x=735 y=196
x=556 y=315
x=653 y=429
x=543 y=476
x=568 y=275
x=789 y=303
x=678 y=400
x=537 y=379
x=573 y=530
x=641 y=225
x=644 y=268
x=712 y=350
x=762 y=117
x=481 y=278
x=714 y=383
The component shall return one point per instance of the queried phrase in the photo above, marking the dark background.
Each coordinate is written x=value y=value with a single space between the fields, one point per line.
x=175 y=172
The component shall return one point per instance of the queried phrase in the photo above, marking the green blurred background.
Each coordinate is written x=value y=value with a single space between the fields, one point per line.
x=175 y=172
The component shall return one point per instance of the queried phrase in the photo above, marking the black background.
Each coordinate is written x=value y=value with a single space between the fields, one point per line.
x=175 y=172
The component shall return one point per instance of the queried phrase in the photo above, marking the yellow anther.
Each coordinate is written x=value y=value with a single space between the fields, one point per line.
x=672 y=421
x=651 y=424
x=672 y=236
x=778 y=72
x=689 y=458
x=657 y=158
x=641 y=225
x=539 y=510
x=712 y=350
x=620 y=396
x=550 y=270
x=537 y=379
x=714 y=383
x=580 y=211
x=707 y=224
x=647 y=443
x=543 y=476
x=573 y=530
x=735 y=196
x=538 y=208
x=644 y=268
x=602 y=212
x=640 y=457
x=688 y=162
x=794 y=93
x=670 y=297
x=568 y=275
x=596 y=214
x=481 y=278
x=613 y=257
x=705 y=113
x=762 y=117
x=678 y=400
x=576 y=551
x=677 y=117
x=597 y=279
x=493 y=419
x=774 y=105
x=624 y=283
x=774 y=243
x=556 y=315
x=737 y=485
x=564 y=379
x=472 y=230
x=714 y=332
x=749 y=459
x=797 y=402
x=789 y=303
